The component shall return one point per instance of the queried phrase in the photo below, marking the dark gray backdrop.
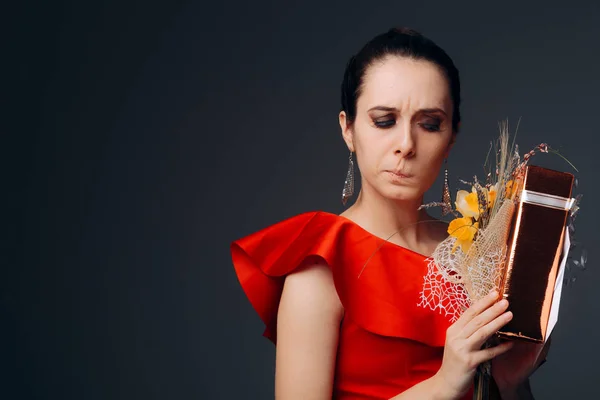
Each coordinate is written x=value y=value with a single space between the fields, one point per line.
x=146 y=136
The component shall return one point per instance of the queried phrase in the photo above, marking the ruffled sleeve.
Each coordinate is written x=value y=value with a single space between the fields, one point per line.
x=378 y=283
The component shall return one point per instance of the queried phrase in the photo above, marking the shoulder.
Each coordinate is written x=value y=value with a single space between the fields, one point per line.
x=305 y=267
x=308 y=328
x=279 y=248
x=310 y=290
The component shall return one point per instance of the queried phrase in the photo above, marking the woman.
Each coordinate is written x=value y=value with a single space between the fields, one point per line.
x=339 y=300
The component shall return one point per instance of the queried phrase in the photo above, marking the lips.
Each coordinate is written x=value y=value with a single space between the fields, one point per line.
x=399 y=174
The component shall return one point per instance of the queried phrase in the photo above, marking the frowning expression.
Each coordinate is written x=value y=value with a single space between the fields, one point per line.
x=403 y=127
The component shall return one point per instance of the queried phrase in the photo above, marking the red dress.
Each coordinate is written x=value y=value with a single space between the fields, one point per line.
x=387 y=342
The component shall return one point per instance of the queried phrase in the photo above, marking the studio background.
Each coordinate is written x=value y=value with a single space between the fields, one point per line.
x=143 y=137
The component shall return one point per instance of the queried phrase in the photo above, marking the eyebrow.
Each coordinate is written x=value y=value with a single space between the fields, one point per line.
x=425 y=110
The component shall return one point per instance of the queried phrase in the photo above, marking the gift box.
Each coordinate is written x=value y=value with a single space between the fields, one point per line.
x=537 y=250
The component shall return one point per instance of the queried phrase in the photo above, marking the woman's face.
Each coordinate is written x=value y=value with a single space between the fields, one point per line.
x=403 y=127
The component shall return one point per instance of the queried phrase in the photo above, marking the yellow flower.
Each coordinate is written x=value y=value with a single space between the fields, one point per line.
x=491 y=195
x=464 y=230
x=510 y=189
x=467 y=203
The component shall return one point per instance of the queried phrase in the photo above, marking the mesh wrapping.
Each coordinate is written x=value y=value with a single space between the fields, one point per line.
x=454 y=281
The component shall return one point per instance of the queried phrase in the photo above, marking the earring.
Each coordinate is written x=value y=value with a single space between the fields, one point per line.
x=446 y=200
x=348 y=190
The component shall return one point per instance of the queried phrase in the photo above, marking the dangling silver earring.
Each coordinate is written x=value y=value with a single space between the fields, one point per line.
x=349 y=183
x=446 y=200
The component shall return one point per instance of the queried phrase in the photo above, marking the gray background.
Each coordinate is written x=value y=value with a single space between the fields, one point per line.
x=145 y=136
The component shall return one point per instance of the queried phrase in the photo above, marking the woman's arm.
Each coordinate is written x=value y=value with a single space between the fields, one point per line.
x=308 y=324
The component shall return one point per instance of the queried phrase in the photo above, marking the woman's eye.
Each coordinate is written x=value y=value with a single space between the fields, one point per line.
x=385 y=123
x=432 y=127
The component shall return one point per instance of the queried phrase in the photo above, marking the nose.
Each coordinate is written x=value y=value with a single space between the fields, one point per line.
x=404 y=144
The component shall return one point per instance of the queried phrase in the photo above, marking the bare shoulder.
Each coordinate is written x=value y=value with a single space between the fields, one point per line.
x=308 y=324
x=311 y=286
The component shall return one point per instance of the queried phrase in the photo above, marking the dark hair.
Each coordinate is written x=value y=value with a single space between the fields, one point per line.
x=401 y=42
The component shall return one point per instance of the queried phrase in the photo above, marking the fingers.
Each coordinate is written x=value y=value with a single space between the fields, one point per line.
x=492 y=352
x=478 y=307
x=482 y=334
x=485 y=317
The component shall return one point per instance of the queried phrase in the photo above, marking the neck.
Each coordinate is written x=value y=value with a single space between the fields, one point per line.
x=384 y=217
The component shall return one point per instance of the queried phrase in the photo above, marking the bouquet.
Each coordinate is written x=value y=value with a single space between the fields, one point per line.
x=487 y=231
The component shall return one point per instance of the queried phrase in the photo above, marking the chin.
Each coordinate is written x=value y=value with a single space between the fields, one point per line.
x=400 y=193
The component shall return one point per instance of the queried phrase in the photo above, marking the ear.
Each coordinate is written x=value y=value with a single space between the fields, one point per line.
x=347 y=132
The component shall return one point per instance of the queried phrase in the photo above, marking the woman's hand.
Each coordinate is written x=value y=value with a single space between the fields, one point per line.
x=464 y=339
x=512 y=369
